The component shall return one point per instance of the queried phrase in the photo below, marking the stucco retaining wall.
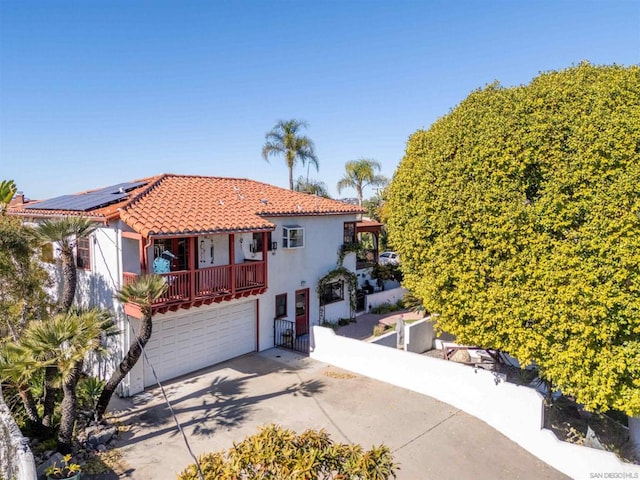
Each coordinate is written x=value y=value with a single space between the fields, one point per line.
x=515 y=411
x=385 y=296
x=16 y=459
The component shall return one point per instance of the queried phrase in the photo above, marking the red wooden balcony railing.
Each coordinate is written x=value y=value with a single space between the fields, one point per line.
x=209 y=283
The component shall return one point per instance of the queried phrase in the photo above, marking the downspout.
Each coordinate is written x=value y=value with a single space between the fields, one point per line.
x=258 y=324
x=265 y=259
x=119 y=256
x=119 y=269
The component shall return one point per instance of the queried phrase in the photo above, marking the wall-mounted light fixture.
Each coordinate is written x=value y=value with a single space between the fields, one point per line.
x=274 y=247
x=303 y=283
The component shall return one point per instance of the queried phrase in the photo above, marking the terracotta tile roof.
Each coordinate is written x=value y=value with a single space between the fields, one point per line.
x=178 y=204
x=181 y=204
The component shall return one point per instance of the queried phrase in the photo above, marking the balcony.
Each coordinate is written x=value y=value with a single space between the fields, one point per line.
x=203 y=286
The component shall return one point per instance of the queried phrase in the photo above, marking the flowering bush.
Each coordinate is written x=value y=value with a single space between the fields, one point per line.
x=66 y=470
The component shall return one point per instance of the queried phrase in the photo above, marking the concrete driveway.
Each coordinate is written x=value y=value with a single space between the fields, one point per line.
x=223 y=404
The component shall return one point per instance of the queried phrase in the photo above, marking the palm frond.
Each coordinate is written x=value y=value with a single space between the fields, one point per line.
x=63 y=230
x=7 y=191
x=283 y=139
x=144 y=291
x=60 y=341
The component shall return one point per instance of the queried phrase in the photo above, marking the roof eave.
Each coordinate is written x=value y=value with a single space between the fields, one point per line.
x=208 y=232
x=93 y=218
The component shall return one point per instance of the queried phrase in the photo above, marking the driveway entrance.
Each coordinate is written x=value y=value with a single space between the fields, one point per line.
x=223 y=404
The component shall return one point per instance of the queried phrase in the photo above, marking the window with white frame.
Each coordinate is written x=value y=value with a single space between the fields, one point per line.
x=292 y=236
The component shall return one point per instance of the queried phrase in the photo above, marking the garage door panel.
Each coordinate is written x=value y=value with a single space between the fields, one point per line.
x=183 y=344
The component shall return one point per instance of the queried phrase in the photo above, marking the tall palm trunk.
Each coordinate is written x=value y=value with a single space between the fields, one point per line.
x=50 y=393
x=29 y=404
x=68 y=408
x=70 y=280
x=125 y=366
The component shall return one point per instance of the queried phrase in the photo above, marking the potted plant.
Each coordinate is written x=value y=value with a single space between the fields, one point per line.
x=66 y=471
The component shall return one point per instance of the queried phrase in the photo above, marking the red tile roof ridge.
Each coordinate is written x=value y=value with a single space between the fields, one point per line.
x=186 y=204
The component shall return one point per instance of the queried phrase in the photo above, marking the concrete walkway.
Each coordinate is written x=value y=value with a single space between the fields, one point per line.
x=429 y=439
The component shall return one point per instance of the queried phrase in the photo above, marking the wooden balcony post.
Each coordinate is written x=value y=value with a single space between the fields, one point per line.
x=192 y=268
x=232 y=261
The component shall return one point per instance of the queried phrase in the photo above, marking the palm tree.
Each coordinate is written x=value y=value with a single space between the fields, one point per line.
x=86 y=329
x=314 y=187
x=16 y=370
x=143 y=292
x=283 y=139
x=61 y=342
x=7 y=191
x=359 y=174
x=22 y=278
x=65 y=232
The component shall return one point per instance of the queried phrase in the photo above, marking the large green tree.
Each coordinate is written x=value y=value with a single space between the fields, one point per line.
x=285 y=139
x=517 y=217
x=22 y=300
x=22 y=278
x=360 y=174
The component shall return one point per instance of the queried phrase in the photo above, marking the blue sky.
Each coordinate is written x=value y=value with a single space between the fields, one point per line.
x=93 y=93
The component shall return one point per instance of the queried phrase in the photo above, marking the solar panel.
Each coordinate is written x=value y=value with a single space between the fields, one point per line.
x=120 y=187
x=88 y=201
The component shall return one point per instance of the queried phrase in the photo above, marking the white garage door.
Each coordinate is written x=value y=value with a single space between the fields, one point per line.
x=184 y=343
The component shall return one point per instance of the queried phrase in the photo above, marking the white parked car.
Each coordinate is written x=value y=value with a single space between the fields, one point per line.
x=389 y=258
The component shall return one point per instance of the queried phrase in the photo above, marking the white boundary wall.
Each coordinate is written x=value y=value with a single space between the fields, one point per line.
x=16 y=459
x=515 y=411
x=419 y=336
x=385 y=296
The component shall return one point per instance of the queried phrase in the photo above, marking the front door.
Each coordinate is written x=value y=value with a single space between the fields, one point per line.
x=302 y=312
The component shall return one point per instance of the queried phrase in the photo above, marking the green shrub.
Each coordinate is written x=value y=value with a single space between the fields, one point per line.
x=278 y=453
x=379 y=329
x=89 y=390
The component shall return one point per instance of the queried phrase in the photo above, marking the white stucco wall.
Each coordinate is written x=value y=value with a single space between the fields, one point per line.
x=301 y=268
x=96 y=286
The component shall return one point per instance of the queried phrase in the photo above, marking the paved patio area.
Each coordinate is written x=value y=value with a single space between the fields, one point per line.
x=223 y=404
x=362 y=328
